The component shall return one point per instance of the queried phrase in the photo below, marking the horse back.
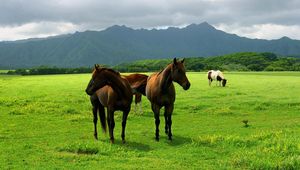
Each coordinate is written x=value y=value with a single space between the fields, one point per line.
x=132 y=78
x=137 y=82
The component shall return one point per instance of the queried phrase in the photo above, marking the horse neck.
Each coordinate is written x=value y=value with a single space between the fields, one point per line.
x=117 y=83
x=166 y=78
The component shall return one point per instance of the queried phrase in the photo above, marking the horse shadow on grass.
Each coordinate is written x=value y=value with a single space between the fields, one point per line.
x=131 y=145
x=176 y=140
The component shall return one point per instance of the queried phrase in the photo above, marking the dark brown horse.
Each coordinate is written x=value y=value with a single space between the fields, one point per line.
x=108 y=89
x=161 y=92
x=138 y=85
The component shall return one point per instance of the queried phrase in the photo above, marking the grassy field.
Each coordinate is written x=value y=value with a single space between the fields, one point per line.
x=3 y=71
x=46 y=123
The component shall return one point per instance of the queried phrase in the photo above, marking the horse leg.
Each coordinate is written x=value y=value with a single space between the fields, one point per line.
x=111 y=124
x=141 y=109
x=124 y=119
x=166 y=122
x=138 y=99
x=155 y=109
x=135 y=107
x=168 y=113
x=135 y=103
x=209 y=82
x=95 y=103
x=95 y=108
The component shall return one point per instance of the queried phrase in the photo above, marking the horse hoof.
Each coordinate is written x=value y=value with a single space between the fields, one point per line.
x=170 y=138
x=96 y=137
x=123 y=141
x=157 y=139
x=112 y=141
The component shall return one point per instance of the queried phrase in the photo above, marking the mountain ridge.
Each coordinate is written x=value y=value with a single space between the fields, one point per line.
x=118 y=44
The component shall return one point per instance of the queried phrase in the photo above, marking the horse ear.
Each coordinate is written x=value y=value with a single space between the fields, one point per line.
x=182 y=61
x=175 y=61
x=96 y=66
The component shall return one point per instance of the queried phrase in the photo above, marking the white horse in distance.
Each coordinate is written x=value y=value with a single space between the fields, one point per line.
x=216 y=75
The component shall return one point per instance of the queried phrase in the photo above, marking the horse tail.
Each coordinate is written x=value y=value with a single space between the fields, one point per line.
x=142 y=89
x=209 y=75
x=98 y=107
x=138 y=98
x=102 y=118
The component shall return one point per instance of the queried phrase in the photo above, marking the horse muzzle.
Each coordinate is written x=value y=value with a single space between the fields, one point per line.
x=89 y=92
x=187 y=86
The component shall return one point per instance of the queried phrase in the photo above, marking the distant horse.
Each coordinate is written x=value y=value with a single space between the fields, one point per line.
x=216 y=75
x=138 y=85
x=108 y=89
x=161 y=92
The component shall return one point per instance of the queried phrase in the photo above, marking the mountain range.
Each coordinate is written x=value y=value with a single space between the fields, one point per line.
x=119 y=44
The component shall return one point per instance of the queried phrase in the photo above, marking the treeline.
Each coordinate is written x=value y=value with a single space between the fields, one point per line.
x=43 y=70
x=246 y=61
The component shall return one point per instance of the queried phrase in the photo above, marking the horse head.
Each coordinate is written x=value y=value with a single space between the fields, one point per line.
x=178 y=74
x=97 y=81
x=224 y=82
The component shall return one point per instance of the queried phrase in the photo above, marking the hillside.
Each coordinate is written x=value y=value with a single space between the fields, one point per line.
x=245 y=61
x=118 y=44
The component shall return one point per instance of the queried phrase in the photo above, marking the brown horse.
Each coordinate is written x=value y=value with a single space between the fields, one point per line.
x=138 y=85
x=161 y=92
x=108 y=89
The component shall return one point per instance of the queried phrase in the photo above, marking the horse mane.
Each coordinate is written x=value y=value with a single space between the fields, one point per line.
x=113 y=84
x=107 y=69
x=164 y=69
x=166 y=79
x=113 y=71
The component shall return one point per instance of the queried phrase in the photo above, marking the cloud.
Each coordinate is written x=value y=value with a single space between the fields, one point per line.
x=100 y=14
x=36 y=30
x=263 y=31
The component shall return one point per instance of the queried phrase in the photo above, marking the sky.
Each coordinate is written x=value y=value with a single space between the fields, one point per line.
x=265 y=19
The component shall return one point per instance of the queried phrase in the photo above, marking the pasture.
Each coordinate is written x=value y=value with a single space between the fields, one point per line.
x=47 y=123
x=3 y=71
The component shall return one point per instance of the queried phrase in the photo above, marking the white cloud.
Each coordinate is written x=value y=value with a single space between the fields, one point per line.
x=52 y=17
x=262 y=31
x=36 y=30
x=45 y=29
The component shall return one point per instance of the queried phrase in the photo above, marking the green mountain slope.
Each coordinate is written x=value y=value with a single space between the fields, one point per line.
x=119 y=44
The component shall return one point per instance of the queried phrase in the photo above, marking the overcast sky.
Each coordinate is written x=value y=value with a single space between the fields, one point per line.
x=267 y=19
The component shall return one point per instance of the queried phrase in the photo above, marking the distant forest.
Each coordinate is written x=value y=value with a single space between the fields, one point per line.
x=246 y=61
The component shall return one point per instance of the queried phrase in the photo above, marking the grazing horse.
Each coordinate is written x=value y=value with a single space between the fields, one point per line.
x=138 y=85
x=216 y=75
x=108 y=89
x=161 y=92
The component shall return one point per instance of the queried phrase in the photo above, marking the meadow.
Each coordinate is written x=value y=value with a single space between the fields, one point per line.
x=46 y=123
x=3 y=71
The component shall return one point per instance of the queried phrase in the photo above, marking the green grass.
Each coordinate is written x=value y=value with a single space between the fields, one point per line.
x=3 y=71
x=46 y=123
